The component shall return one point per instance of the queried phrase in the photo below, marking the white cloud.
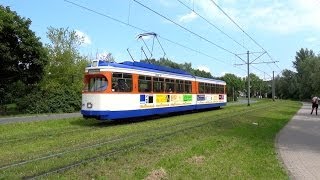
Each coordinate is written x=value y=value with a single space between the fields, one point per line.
x=188 y=17
x=203 y=68
x=285 y=17
x=85 y=38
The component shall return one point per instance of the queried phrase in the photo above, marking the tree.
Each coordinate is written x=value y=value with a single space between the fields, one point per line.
x=309 y=77
x=22 y=56
x=301 y=56
x=257 y=85
x=60 y=89
x=305 y=82
x=186 y=67
x=66 y=65
x=287 y=85
x=234 y=85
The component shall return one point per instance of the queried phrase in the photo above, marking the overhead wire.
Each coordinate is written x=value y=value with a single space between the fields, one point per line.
x=197 y=51
x=212 y=25
x=240 y=28
x=261 y=70
x=192 y=9
x=245 y=33
x=188 y=30
x=140 y=29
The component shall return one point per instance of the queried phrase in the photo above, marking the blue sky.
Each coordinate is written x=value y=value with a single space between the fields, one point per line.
x=281 y=27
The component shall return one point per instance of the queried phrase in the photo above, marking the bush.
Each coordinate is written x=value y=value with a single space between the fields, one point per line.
x=53 y=101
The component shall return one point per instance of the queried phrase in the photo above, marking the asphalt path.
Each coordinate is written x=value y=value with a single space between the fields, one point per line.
x=42 y=117
x=298 y=145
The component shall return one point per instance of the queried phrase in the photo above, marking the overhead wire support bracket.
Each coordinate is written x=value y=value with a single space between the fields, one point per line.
x=140 y=36
x=258 y=57
x=263 y=62
x=257 y=52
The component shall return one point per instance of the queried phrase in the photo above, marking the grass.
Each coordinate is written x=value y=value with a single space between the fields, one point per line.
x=236 y=142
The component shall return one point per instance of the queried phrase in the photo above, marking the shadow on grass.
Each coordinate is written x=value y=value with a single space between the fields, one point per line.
x=91 y=122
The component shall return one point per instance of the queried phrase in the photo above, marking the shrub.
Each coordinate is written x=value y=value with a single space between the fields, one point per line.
x=53 y=101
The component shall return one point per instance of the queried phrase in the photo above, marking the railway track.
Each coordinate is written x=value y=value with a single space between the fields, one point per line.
x=177 y=128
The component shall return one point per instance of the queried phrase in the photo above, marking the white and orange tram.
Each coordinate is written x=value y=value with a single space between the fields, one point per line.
x=133 y=89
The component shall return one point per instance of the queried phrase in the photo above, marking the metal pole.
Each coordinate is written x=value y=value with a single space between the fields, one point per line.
x=248 y=78
x=130 y=54
x=273 y=88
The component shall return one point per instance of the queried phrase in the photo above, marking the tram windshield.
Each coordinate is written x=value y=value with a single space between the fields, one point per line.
x=96 y=84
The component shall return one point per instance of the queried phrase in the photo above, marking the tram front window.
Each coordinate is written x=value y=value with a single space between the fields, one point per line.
x=96 y=84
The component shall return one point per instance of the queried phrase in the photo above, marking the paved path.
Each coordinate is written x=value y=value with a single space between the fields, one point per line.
x=7 y=120
x=298 y=145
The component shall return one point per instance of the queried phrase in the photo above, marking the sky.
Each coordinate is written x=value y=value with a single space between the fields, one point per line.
x=192 y=31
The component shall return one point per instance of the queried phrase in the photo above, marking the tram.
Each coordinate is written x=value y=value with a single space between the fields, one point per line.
x=133 y=89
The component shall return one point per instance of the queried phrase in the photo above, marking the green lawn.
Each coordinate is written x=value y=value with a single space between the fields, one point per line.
x=236 y=142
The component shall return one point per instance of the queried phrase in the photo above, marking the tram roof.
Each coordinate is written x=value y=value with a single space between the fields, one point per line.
x=152 y=68
x=143 y=66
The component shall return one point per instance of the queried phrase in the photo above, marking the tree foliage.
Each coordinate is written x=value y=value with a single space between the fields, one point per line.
x=234 y=85
x=66 y=66
x=60 y=89
x=185 y=66
x=22 y=56
x=303 y=83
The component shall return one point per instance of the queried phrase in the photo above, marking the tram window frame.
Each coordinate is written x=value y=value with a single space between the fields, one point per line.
x=122 y=82
x=180 y=86
x=207 y=88
x=217 y=88
x=145 y=80
x=201 y=88
x=220 y=89
x=188 y=87
x=158 y=85
x=214 y=88
x=96 y=84
x=170 y=85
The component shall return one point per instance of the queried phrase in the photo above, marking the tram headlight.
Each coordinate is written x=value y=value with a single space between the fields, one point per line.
x=89 y=105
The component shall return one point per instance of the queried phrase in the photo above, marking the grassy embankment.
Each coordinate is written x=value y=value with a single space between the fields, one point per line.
x=234 y=142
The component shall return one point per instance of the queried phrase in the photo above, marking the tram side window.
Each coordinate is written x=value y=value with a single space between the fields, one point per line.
x=121 y=82
x=180 y=86
x=208 y=88
x=201 y=88
x=220 y=89
x=213 y=88
x=96 y=84
x=170 y=85
x=145 y=83
x=187 y=88
x=158 y=85
x=217 y=89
